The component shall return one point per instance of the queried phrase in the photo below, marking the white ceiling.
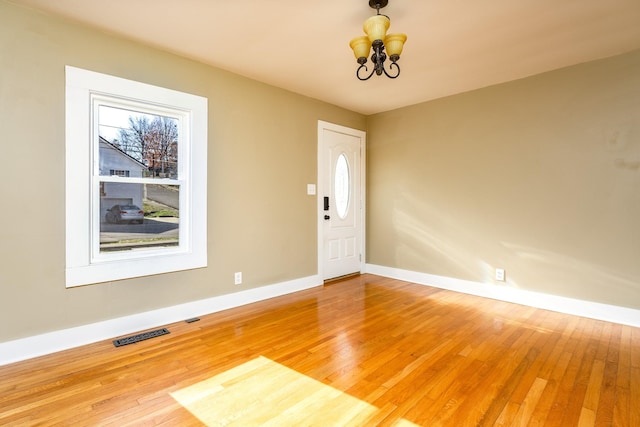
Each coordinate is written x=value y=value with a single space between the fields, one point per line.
x=453 y=45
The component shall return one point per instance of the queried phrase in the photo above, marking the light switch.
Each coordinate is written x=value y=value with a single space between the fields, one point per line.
x=311 y=189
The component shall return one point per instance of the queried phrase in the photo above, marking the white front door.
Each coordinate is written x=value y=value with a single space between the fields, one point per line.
x=341 y=200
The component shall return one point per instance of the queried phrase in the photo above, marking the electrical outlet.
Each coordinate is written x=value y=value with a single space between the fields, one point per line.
x=500 y=274
x=238 y=278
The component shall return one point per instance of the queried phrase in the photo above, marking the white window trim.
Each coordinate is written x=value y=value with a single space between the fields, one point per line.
x=82 y=267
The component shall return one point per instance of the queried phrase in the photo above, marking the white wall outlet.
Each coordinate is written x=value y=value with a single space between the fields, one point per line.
x=311 y=189
x=500 y=274
x=237 y=278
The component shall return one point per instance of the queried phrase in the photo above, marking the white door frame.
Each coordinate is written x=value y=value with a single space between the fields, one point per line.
x=321 y=191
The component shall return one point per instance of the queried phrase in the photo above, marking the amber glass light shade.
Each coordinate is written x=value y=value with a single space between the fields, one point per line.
x=394 y=43
x=361 y=46
x=376 y=27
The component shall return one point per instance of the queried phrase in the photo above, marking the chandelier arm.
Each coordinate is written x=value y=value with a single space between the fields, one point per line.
x=366 y=70
x=393 y=64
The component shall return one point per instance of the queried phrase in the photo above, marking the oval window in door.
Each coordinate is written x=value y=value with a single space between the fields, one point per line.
x=342 y=186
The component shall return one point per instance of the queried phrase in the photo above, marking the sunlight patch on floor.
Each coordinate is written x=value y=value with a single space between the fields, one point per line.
x=265 y=393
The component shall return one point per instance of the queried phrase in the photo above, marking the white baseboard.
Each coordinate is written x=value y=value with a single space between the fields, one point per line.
x=38 y=345
x=593 y=310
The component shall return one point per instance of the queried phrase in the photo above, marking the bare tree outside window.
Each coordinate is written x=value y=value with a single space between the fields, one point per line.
x=150 y=139
x=162 y=147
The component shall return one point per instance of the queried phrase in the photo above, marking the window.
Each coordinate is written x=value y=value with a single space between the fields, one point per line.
x=135 y=179
x=342 y=188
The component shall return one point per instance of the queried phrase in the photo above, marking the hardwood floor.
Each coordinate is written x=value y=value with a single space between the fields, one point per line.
x=363 y=351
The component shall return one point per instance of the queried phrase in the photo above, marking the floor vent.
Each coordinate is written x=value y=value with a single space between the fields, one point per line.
x=140 y=337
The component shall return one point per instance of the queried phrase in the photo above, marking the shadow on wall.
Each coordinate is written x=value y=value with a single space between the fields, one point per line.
x=452 y=244
x=423 y=232
x=556 y=266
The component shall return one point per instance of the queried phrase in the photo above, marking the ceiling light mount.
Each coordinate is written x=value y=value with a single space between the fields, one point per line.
x=377 y=39
x=378 y=4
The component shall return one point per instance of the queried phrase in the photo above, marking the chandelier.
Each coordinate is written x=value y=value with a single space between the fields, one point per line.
x=377 y=39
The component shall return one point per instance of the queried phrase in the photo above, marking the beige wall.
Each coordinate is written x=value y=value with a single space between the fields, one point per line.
x=262 y=154
x=539 y=176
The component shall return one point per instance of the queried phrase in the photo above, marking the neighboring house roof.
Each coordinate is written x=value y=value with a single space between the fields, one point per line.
x=104 y=144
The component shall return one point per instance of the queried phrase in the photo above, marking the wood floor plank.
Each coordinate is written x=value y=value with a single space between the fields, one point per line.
x=635 y=343
x=606 y=400
x=592 y=395
x=507 y=415
x=568 y=384
x=587 y=418
x=363 y=351
x=549 y=394
x=529 y=403
x=634 y=397
x=621 y=402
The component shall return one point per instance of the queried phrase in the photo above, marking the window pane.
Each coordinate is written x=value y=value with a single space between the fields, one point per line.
x=138 y=216
x=137 y=143
x=342 y=186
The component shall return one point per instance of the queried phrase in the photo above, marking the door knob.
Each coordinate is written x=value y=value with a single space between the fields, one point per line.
x=327 y=217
